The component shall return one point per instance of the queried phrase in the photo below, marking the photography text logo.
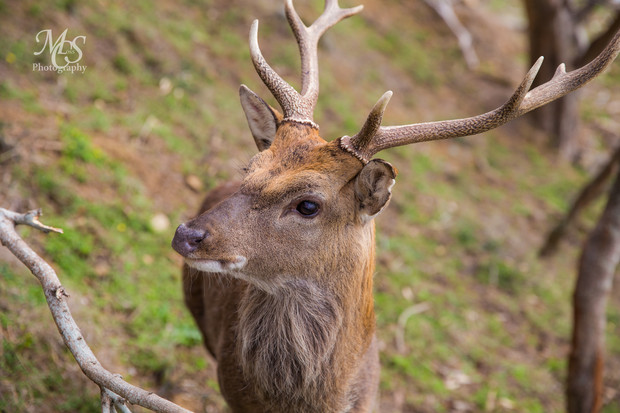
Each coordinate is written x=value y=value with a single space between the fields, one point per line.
x=65 y=54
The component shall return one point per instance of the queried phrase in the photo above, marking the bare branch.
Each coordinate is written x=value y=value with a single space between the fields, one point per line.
x=445 y=10
x=106 y=402
x=588 y=194
x=586 y=10
x=116 y=402
x=599 y=43
x=112 y=384
x=30 y=218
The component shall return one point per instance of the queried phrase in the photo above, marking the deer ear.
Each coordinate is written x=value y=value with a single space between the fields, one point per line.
x=373 y=187
x=262 y=118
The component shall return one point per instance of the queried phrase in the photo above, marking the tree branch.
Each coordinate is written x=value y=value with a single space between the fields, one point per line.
x=597 y=45
x=588 y=194
x=445 y=10
x=114 y=401
x=30 y=218
x=112 y=385
x=585 y=11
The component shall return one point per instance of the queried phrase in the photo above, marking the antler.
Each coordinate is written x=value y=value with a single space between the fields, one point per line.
x=373 y=138
x=299 y=107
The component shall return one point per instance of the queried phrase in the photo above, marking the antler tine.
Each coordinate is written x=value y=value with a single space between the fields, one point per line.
x=563 y=83
x=360 y=140
x=520 y=103
x=288 y=98
x=308 y=38
x=299 y=107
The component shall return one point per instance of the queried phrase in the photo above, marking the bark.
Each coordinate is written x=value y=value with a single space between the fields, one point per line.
x=599 y=260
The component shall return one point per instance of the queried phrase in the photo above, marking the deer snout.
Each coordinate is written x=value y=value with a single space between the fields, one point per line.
x=186 y=239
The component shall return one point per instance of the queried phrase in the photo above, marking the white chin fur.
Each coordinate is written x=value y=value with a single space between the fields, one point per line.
x=217 y=266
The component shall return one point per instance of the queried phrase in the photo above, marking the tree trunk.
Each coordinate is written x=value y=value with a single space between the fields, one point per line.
x=552 y=34
x=600 y=257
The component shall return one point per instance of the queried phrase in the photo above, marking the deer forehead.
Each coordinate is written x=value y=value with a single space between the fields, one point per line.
x=309 y=167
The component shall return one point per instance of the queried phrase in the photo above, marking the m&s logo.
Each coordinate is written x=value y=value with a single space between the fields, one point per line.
x=65 y=54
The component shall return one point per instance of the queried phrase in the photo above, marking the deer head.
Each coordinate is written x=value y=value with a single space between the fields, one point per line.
x=305 y=206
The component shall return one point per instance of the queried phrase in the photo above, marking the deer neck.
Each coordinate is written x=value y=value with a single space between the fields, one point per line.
x=300 y=341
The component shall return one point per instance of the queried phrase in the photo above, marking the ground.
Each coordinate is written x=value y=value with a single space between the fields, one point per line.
x=468 y=317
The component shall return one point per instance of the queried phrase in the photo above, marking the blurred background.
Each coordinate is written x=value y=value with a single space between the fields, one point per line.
x=468 y=316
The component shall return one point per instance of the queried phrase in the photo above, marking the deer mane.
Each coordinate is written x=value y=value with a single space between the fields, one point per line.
x=286 y=340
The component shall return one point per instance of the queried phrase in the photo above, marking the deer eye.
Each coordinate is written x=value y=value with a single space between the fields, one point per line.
x=308 y=209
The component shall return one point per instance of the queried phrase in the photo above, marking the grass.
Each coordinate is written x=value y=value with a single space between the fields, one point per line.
x=27 y=98
x=403 y=48
x=22 y=349
x=110 y=246
x=489 y=302
x=479 y=271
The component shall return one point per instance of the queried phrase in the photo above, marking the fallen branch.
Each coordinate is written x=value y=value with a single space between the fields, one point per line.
x=114 y=390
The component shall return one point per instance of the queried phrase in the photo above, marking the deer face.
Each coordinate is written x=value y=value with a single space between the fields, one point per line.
x=303 y=207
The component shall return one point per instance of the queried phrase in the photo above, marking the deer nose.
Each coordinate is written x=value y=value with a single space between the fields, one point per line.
x=186 y=239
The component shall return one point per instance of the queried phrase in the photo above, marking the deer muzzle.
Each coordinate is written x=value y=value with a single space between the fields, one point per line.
x=186 y=239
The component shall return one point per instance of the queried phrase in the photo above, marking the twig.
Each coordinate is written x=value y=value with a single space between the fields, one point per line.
x=112 y=385
x=30 y=218
x=106 y=402
x=402 y=322
x=116 y=402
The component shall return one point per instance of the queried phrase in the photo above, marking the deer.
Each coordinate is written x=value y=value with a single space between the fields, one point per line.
x=278 y=266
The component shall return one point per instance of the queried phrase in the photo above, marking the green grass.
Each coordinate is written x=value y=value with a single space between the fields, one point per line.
x=26 y=97
x=109 y=246
x=613 y=407
x=501 y=274
x=34 y=381
x=476 y=266
x=403 y=49
x=24 y=353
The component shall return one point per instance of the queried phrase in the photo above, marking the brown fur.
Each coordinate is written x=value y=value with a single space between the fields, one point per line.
x=293 y=329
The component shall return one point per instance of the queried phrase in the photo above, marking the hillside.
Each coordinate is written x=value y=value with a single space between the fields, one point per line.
x=120 y=154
